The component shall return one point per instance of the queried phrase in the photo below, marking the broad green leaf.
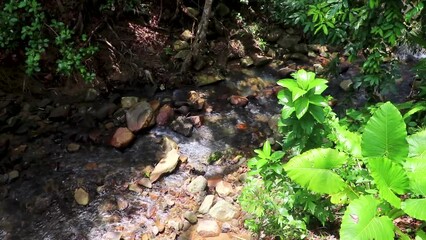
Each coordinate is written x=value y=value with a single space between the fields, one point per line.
x=348 y=141
x=420 y=235
x=416 y=172
x=417 y=144
x=318 y=100
x=317 y=113
x=297 y=93
x=317 y=82
x=301 y=107
x=267 y=148
x=288 y=83
x=313 y=170
x=303 y=78
x=343 y=197
x=390 y=177
x=286 y=111
x=385 y=134
x=361 y=222
x=415 y=208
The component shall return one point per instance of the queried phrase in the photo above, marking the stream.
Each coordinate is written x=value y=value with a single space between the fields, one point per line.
x=40 y=203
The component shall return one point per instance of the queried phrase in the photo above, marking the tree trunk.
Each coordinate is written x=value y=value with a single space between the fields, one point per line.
x=200 y=37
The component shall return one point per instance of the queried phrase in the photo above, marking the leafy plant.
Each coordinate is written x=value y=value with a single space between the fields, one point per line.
x=396 y=163
x=72 y=57
x=23 y=24
x=304 y=110
x=278 y=207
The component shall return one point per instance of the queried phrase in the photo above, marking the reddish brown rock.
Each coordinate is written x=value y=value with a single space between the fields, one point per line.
x=122 y=138
x=238 y=100
x=165 y=115
x=197 y=121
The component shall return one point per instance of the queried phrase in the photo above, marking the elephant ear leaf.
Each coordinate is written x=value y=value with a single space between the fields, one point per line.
x=313 y=170
x=360 y=221
x=416 y=169
x=385 y=134
x=415 y=208
x=416 y=142
x=390 y=178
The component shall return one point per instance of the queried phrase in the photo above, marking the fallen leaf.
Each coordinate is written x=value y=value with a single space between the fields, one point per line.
x=165 y=165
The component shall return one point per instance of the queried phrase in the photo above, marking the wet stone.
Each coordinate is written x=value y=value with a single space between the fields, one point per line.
x=73 y=147
x=238 y=100
x=206 y=204
x=197 y=185
x=139 y=116
x=260 y=60
x=224 y=188
x=91 y=95
x=186 y=35
x=105 y=110
x=145 y=182
x=223 y=211
x=182 y=125
x=135 y=188
x=246 y=61
x=81 y=196
x=43 y=103
x=191 y=217
x=12 y=175
x=122 y=203
x=122 y=138
x=165 y=115
x=60 y=113
x=175 y=224
x=180 y=45
x=208 y=228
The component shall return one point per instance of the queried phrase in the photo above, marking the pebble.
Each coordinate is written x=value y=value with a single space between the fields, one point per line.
x=13 y=175
x=223 y=211
x=197 y=185
x=81 y=196
x=208 y=228
x=224 y=188
x=206 y=204
x=135 y=188
x=191 y=217
x=122 y=203
x=145 y=182
x=73 y=147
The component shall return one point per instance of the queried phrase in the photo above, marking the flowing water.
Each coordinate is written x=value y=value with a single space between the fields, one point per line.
x=41 y=205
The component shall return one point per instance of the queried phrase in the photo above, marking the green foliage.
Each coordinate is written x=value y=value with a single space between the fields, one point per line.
x=396 y=165
x=304 y=109
x=313 y=170
x=373 y=28
x=278 y=207
x=361 y=221
x=72 y=57
x=119 y=6
x=385 y=134
x=24 y=23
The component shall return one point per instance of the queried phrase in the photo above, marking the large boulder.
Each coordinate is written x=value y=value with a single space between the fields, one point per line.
x=140 y=116
x=288 y=41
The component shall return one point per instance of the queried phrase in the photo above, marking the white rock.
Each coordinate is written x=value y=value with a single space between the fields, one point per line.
x=197 y=185
x=206 y=205
x=208 y=228
x=223 y=211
